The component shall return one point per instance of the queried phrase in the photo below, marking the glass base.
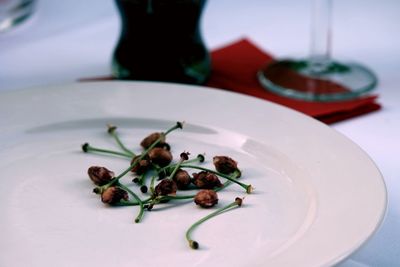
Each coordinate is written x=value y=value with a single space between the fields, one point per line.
x=300 y=79
x=15 y=12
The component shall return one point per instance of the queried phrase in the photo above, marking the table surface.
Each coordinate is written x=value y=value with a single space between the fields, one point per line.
x=67 y=40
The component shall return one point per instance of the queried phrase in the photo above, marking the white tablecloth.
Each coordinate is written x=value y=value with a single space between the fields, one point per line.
x=66 y=40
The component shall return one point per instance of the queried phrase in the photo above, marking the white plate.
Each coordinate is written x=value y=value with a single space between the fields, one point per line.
x=318 y=196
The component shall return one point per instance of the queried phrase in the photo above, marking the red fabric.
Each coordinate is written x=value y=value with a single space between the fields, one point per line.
x=234 y=68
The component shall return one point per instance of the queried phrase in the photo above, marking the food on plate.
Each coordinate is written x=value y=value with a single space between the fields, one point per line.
x=160 y=179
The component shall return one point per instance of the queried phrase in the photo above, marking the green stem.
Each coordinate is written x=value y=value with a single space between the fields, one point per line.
x=112 y=130
x=88 y=148
x=139 y=201
x=131 y=203
x=176 y=197
x=175 y=170
x=116 y=179
x=100 y=189
x=197 y=159
x=142 y=179
x=153 y=179
x=176 y=167
x=178 y=125
x=156 y=167
x=224 y=185
x=194 y=244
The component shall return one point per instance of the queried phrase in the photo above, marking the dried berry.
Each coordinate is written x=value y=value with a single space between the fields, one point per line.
x=111 y=128
x=160 y=156
x=113 y=195
x=150 y=139
x=166 y=187
x=142 y=166
x=206 y=180
x=184 y=156
x=182 y=179
x=165 y=146
x=225 y=164
x=206 y=198
x=239 y=201
x=100 y=175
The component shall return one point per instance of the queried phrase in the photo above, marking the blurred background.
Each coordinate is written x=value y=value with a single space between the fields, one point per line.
x=65 y=40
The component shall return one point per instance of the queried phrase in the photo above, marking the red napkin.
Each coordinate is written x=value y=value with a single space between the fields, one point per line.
x=234 y=68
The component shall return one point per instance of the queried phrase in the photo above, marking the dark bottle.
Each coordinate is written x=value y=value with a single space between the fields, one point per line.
x=161 y=41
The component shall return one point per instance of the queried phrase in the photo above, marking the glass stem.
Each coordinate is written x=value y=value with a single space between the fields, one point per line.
x=321 y=31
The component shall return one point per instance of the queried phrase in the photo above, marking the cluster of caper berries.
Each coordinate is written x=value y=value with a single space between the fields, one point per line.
x=161 y=179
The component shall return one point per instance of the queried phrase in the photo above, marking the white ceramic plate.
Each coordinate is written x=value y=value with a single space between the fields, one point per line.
x=318 y=196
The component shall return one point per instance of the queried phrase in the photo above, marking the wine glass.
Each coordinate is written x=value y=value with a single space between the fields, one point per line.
x=318 y=78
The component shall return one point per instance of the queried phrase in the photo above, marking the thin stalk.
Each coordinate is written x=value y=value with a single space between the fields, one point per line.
x=112 y=130
x=184 y=157
x=88 y=148
x=116 y=179
x=124 y=203
x=194 y=244
x=176 y=197
x=142 y=178
x=176 y=126
x=175 y=170
x=139 y=201
x=144 y=154
x=156 y=167
x=224 y=185
x=160 y=199
x=199 y=158
x=153 y=179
